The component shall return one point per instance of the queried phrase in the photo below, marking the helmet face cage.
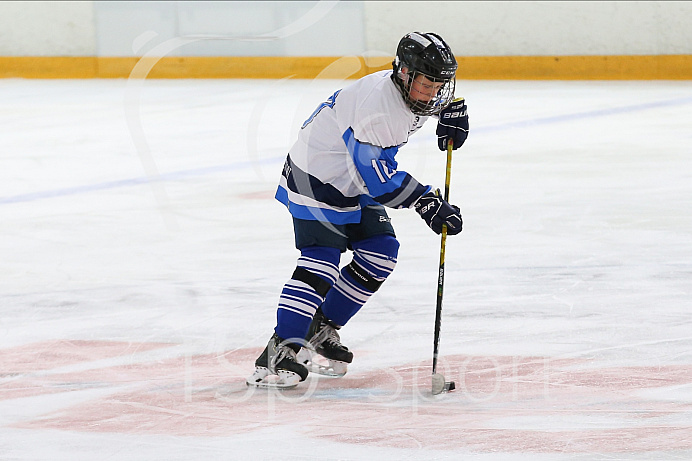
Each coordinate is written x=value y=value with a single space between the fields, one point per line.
x=441 y=99
x=424 y=61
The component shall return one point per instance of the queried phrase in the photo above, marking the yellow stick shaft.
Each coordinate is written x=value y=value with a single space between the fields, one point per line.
x=441 y=274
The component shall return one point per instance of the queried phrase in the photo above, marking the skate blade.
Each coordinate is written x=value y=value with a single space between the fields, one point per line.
x=333 y=369
x=284 y=379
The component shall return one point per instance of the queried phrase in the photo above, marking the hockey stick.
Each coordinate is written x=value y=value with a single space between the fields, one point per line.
x=439 y=384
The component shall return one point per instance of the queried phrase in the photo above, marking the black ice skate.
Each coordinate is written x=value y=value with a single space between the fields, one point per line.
x=277 y=366
x=325 y=341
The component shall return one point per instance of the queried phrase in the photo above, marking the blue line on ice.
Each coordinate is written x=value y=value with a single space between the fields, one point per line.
x=165 y=177
x=177 y=175
x=584 y=115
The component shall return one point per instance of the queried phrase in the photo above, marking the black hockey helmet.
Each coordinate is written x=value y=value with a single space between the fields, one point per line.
x=428 y=55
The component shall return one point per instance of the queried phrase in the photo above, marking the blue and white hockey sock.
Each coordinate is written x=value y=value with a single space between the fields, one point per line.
x=317 y=270
x=373 y=260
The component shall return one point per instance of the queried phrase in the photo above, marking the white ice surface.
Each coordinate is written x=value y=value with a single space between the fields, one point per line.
x=142 y=214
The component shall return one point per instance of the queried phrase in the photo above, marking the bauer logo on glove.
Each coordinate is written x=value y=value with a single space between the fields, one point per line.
x=437 y=212
x=453 y=124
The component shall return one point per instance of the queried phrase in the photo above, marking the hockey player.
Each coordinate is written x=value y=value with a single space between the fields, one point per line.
x=337 y=179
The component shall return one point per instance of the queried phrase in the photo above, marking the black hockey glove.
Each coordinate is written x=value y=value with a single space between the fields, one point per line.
x=436 y=212
x=454 y=124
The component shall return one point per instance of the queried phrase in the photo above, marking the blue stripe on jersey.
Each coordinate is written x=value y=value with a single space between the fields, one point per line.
x=405 y=195
x=377 y=167
x=315 y=213
x=307 y=185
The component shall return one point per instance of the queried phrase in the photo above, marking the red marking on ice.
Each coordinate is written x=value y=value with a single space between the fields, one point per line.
x=44 y=356
x=53 y=354
x=503 y=404
x=260 y=195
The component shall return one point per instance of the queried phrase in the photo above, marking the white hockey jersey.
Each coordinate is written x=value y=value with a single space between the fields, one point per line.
x=344 y=156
